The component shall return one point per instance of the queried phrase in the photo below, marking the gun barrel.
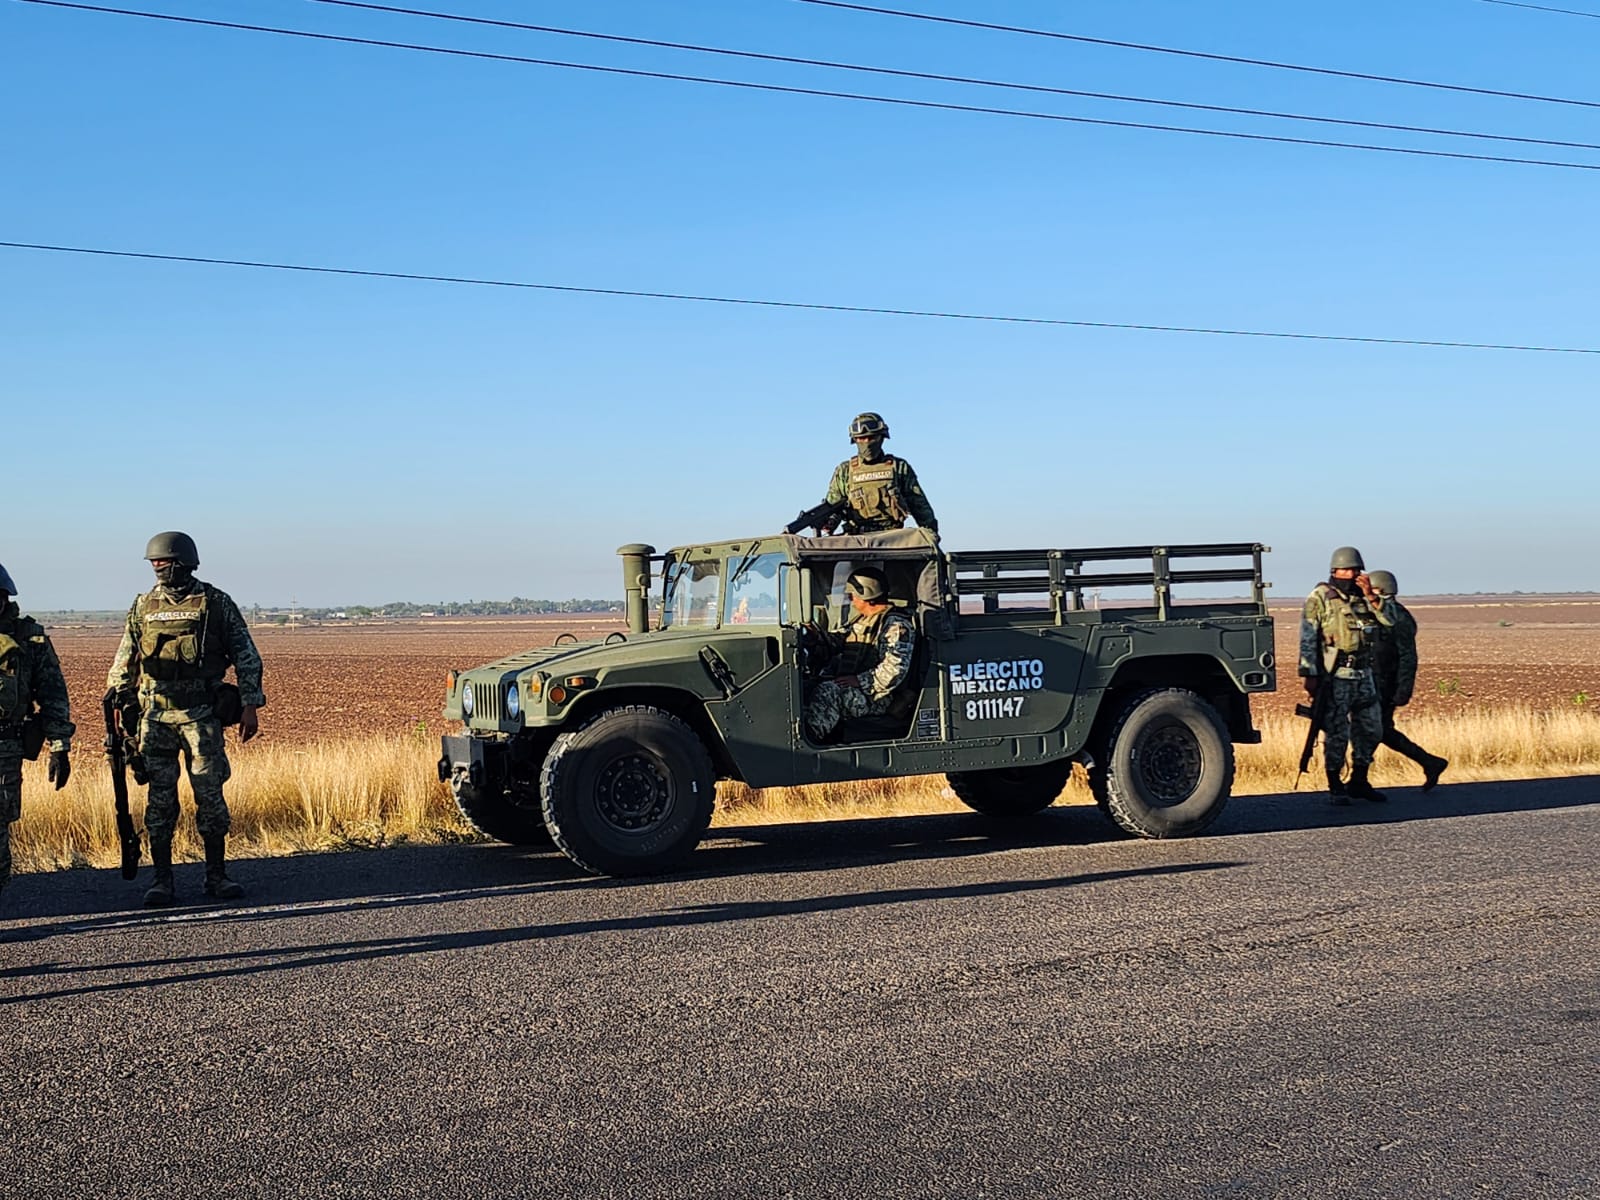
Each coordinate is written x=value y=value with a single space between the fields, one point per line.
x=815 y=518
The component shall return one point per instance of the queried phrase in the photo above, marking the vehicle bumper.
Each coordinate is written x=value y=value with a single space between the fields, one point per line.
x=478 y=759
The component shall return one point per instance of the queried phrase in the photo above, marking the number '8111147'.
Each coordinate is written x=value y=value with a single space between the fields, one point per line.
x=994 y=706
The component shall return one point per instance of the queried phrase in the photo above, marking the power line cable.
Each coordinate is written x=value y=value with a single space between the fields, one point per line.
x=937 y=77
x=793 y=304
x=985 y=110
x=1567 y=12
x=1228 y=58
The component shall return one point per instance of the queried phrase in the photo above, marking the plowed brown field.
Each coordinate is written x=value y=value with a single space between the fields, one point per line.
x=1477 y=653
x=334 y=681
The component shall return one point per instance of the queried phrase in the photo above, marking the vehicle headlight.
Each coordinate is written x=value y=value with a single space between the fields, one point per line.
x=513 y=702
x=466 y=700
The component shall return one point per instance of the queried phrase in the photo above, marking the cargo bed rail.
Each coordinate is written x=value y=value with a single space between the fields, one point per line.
x=1062 y=575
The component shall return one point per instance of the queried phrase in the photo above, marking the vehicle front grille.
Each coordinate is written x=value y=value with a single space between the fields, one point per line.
x=486 y=702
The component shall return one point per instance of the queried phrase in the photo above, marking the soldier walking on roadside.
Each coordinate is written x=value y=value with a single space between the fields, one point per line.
x=1338 y=632
x=1394 y=670
x=882 y=490
x=180 y=640
x=871 y=657
x=33 y=710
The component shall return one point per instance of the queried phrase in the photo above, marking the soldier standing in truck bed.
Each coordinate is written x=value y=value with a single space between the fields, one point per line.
x=30 y=678
x=882 y=490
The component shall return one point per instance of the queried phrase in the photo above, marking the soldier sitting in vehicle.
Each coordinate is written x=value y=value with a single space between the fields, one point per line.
x=866 y=662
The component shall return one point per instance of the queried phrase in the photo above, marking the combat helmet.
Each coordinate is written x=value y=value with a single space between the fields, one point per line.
x=177 y=546
x=869 y=583
x=868 y=424
x=1383 y=582
x=6 y=585
x=1346 y=556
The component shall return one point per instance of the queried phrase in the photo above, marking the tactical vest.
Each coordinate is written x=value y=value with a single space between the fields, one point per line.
x=14 y=700
x=874 y=493
x=859 y=654
x=1386 y=645
x=1348 y=625
x=178 y=640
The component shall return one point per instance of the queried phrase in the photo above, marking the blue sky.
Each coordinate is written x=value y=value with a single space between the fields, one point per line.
x=338 y=440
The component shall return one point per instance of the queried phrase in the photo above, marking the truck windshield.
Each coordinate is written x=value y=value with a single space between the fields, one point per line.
x=755 y=593
x=690 y=597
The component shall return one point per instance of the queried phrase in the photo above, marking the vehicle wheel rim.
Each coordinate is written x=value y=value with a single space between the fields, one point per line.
x=634 y=793
x=1170 y=764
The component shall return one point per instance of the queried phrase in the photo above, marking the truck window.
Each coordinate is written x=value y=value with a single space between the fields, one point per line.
x=755 y=593
x=691 y=593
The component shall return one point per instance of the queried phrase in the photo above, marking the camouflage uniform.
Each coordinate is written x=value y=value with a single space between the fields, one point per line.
x=877 y=650
x=1394 y=657
x=881 y=494
x=1394 y=671
x=30 y=676
x=177 y=646
x=1337 y=635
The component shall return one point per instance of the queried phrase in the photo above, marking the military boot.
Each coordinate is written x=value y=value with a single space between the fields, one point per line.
x=1431 y=770
x=163 y=891
x=217 y=882
x=1336 y=792
x=1360 y=788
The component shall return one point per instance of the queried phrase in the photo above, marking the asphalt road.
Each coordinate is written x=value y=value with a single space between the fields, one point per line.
x=1368 y=1002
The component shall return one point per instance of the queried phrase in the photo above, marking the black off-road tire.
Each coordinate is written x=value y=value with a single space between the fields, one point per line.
x=630 y=792
x=1168 y=766
x=507 y=814
x=1011 y=791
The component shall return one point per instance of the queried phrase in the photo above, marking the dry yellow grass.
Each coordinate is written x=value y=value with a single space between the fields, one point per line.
x=370 y=791
x=378 y=791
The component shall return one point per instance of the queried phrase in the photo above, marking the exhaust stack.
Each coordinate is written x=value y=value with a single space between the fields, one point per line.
x=636 y=585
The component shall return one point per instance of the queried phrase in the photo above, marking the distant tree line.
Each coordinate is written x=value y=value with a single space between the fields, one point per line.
x=517 y=606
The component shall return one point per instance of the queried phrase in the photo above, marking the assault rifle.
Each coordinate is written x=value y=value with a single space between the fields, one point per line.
x=122 y=753
x=1316 y=713
x=823 y=516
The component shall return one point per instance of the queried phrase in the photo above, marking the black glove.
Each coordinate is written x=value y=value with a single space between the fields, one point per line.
x=60 y=768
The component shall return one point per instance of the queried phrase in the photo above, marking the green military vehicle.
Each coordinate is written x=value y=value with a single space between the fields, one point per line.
x=613 y=748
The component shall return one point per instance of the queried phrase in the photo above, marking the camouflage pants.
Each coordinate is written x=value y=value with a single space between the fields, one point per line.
x=1353 y=719
x=10 y=804
x=831 y=703
x=200 y=743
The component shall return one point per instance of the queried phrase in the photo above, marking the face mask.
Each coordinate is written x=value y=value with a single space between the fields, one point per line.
x=871 y=450
x=174 y=575
x=1347 y=586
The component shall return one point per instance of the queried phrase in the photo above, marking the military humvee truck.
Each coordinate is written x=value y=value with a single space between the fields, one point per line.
x=614 y=747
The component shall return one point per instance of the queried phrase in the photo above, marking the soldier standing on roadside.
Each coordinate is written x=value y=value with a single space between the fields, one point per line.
x=30 y=678
x=872 y=657
x=882 y=490
x=180 y=639
x=1394 y=670
x=1338 y=632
